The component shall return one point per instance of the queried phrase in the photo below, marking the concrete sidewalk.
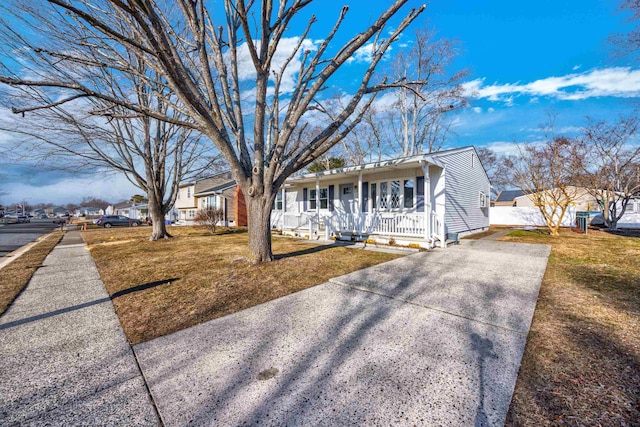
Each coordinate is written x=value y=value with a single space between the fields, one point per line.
x=434 y=338
x=64 y=359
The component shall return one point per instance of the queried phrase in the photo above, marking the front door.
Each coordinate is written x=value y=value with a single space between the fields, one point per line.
x=347 y=198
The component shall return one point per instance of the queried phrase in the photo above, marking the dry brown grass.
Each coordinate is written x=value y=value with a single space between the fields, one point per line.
x=161 y=287
x=582 y=360
x=15 y=276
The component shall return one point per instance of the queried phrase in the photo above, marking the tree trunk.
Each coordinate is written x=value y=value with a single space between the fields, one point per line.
x=259 y=225
x=157 y=218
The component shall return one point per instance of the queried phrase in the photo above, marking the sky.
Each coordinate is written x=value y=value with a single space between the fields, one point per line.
x=527 y=61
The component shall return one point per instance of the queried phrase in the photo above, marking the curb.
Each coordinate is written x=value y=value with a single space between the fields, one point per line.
x=10 y=257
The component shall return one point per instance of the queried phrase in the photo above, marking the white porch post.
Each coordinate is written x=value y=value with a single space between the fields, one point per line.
x=317 y=208
x=284 y=206
x=358 y=215
x=427 y=202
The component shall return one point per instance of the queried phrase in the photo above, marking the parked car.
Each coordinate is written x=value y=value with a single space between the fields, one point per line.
x=23 y=218
x=44 y=216
x=108 y=221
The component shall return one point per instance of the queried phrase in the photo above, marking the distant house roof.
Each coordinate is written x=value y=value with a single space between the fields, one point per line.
x=509 y=195
x=214 y=184
x=217 y=189
x=122 y=205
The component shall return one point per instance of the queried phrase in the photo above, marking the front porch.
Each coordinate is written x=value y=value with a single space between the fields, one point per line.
x=425 y=228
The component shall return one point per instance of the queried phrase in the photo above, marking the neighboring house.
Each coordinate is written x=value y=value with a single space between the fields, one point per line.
x=186 y=202
x=89 y=211
x=59 y=211
x=413 y=200
x=582 y=201
x=133 y=210
x=219 y=192
x=507 y=198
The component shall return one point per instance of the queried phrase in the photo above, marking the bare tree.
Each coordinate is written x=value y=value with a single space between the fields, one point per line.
x=419 y=110
x=253 y=125
x=154 y=155
x=498 y=169
x=629 y=43
x=546 y=173
x=611 y=165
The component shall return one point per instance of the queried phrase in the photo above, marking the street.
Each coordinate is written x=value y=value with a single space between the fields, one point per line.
x=13 y=236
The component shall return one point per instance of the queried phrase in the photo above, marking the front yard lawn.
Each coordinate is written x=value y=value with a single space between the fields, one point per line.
x=582 y=360
x=161 y=287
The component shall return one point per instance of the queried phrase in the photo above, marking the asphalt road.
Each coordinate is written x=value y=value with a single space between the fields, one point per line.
x=14 y=236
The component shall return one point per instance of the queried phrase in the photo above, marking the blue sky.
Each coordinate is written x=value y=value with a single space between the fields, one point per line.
x=527 y=59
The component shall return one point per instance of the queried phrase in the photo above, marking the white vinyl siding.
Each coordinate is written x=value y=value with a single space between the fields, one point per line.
x=463 y=184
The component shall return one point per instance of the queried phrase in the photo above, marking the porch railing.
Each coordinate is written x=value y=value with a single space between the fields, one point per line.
x=392 y=224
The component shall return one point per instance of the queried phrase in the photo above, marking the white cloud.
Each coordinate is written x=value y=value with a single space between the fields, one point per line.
x=477 y=110
x=503 y=148
x=621 y=82
x=112 y=187
x=365 y=54
x=508 y=148
x=247 y=71
x=577 y=67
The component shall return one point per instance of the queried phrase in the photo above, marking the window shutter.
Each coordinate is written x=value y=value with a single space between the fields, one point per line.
x=365 y=196
x=420 y=193
x=305 y=197
x=331 y=195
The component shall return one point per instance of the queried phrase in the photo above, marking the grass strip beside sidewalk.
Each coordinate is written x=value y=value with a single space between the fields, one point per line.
x=582 y=360
x=16 y=275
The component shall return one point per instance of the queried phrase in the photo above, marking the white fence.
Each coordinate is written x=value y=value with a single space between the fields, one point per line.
x=531 y=216
x=528 y=216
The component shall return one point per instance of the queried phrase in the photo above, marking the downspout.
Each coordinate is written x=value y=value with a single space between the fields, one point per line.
x=443 y=237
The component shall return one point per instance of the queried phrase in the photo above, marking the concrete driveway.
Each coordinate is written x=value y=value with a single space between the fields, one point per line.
x=430 y=339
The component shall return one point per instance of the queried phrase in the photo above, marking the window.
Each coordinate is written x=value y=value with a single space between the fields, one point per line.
x=323 y=199
x=192 y=213
x=277 y=204
x=483 y=200
x=408 y=193
x=384 y=203
x=312 y=200
x=188 y=192
x=209 y=202
x=395 y=195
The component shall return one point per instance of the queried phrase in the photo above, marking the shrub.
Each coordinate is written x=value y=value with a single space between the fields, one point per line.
x=209 y=217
